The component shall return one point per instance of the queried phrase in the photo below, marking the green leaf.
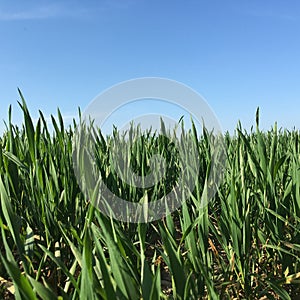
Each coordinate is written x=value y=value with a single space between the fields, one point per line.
x=175 y=263
x=122 y=273
x=22 y=286
x=44 y=292
x=86 y=286
x=28 y=127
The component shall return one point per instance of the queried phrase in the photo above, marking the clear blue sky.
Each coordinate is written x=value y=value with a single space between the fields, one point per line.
x=237 y=54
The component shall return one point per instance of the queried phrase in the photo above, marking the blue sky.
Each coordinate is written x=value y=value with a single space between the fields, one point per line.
x=237 y=54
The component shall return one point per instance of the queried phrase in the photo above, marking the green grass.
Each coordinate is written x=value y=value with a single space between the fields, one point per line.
x=245 y=244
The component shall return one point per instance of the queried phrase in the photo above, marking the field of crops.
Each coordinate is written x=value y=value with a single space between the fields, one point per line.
x=245 y=244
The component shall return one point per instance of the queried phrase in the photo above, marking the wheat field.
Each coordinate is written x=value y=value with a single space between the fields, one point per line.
x=244 y=244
